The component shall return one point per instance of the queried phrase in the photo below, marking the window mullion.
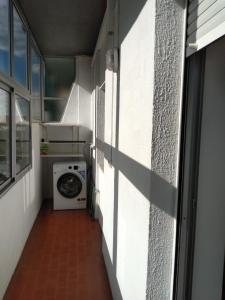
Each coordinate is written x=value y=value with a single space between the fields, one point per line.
x=29 y=64
x=13 y=135
x=11 y=38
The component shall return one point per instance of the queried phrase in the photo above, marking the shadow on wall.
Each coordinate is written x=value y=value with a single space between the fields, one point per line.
x=113 y=279
x=144 y=179
x=77 y=108
x=131 y=15
x=153 y=187
x=135 y=7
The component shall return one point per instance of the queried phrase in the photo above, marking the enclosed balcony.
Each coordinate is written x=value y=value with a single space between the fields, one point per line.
x=112 y=149
x=89 y=144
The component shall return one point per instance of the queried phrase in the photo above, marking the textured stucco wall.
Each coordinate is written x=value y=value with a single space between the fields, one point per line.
x=168 y=61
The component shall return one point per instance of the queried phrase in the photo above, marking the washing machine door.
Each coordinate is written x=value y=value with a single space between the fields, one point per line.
x=69 y=185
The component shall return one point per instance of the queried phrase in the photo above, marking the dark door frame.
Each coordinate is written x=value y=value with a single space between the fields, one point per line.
x=188 y=177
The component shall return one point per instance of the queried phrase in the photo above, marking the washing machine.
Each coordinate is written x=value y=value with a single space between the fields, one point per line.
x=69 y=185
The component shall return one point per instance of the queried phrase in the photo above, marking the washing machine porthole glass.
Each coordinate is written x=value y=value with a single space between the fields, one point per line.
x=69 y=185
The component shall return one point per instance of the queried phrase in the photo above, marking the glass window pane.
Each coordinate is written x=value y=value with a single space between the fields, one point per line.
x=54 y=110
x=36 y=73
x=5 y=161
x=4 y=37
x=23 y=141
x=60 y=75
x=36 y=109
x=20 y=50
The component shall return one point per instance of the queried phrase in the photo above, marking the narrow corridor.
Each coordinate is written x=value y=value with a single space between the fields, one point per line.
x=62 y=260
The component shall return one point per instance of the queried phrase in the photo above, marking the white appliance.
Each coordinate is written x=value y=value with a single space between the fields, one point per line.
x=69 y=185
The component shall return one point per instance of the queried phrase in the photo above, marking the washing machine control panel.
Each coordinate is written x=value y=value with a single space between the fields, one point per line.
x=73 y=167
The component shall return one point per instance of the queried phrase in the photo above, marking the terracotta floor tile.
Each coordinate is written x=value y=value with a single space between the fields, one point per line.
x=62 y=260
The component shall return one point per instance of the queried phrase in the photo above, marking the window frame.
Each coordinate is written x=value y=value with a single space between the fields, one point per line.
x=22 y=172
x=35 y=47
x=27 y=86
x=188 y=177
x=10 y=179
x=55 y=97
x=43 y=74
x=8 y=83
x=10 y=44
x=8 y=79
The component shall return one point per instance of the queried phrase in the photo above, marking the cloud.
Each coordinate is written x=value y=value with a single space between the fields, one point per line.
x=4 y=25
x=20 y=36
x=36 y=68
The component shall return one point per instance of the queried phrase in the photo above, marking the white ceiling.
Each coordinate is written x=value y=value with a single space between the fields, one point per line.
x=65 y=27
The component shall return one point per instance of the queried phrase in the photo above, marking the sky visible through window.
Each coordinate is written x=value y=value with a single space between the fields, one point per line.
x=4 y=37
x=20 y=50
x=36 y=73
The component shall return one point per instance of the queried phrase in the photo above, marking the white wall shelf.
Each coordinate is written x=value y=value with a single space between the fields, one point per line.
x=64 y=143
x=62 y=155
x=63 y=140
x=59 y=124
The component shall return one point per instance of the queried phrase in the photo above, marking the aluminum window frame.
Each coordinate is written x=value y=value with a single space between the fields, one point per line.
x=8 y=83
x=10 y=43
x=34 y=46
x=10 y=179
x=43 y=74
x=28 y=167
x=27 y=87
x=188 y=177
x=55 y=98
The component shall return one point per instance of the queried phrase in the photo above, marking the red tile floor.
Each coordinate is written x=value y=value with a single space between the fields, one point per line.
x=62 y=260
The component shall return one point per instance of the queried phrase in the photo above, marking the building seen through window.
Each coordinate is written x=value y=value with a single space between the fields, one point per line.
x=5 y=161
x=23 y=134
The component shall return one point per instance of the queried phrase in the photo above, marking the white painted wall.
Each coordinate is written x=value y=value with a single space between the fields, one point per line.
x=125 y=166
x=136 y=37
x=137 y=165
x=18 y=211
